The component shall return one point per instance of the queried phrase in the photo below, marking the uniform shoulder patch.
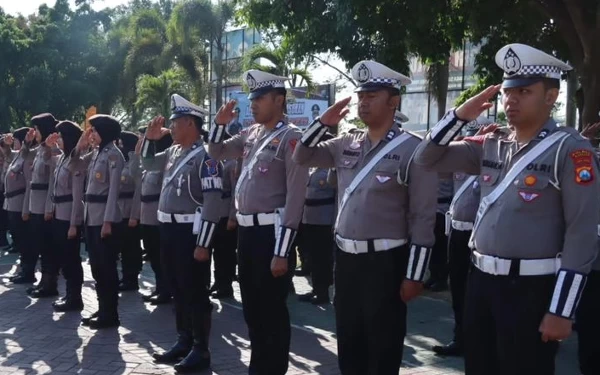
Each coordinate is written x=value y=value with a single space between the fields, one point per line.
x=293 y=143
x=584 y=171
x=212 y=167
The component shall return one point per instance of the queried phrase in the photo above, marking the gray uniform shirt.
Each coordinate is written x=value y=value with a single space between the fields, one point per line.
x=16 y=180
x=551 y=208
x=66 y=189
x=129 y=194
x=41 y=171
x=275 y=181
x=150 y=194
x=396 y=200
x=104 y=169
x=319 y=206
x=197 y=183
x=465 y=207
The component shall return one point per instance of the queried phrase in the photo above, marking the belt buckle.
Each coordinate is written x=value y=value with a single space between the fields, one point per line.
x=490 y=265
x=354 y=246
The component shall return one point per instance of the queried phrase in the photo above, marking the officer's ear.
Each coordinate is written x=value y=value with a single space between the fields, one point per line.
x=551 y=96
x=394 y=101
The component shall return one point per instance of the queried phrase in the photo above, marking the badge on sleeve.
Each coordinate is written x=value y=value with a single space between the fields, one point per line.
x=293 y=143
x=212 y=167
x=584 y=173
x=112 y=161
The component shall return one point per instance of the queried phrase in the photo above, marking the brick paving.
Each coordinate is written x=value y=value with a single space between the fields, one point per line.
x=35 y=340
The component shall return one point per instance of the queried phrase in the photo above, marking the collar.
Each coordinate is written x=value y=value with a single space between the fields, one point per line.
x=392 y=133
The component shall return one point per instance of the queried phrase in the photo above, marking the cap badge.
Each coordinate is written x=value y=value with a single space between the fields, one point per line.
x=250 y=81
x=512 y=63
x=363 y=73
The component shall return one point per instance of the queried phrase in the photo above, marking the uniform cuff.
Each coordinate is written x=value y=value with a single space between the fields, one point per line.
x=446 y=129
x=217 y=133
x=417 y=262
x=284 y=238
x=313 y=134
x=567 y=293
x=148 y=148
x=206 y=234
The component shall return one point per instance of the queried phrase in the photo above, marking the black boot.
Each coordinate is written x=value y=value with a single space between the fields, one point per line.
x=198 y=358
x=182 y=347
x=86 y=320
x=179 y=350
x=452 y=349
x=39 y=285
x=47 y=289
x=68 y=304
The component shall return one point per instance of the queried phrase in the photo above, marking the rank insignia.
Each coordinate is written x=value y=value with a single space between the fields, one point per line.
x=528 y=197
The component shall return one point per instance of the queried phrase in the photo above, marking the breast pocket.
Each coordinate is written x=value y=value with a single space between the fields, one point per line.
x=40 y=169
x=530 y=186
x=384 y=175
x=264 y=161
x=64 y=178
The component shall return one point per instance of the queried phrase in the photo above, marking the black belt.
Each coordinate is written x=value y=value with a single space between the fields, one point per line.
x=319 y=202
x=39 y=186
x=62 y=198
x=150 y=198
x=13 y=194
x=445 y=200
x=126 y=195
x=93 y=198
x=226 y=195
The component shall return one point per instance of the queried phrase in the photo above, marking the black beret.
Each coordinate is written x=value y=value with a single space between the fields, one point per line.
x=20 y=134
x=44 y=120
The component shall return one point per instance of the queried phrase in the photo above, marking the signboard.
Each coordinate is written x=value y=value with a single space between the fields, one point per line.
x=302 y=108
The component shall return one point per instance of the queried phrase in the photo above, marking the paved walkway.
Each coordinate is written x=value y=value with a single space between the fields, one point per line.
x=35 y=340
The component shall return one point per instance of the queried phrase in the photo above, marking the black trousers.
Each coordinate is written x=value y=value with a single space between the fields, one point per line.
x=317 y=240
x=22 y=241
x=3 y=222
x=41 y=245
x=459 y=261
x=69 y=257
x=304 y=252
x=264 y=301
x=224 y=252
x=438 y=264
x=151 y=239
x=588 y=326
x=103 y=254
x=131 y=253
x=187 y=281
x=504 y=314
x=370 y=315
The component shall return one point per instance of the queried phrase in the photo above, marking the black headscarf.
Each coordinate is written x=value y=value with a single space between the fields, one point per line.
x=129 y=141
x=45 y=124
x=107 y=127
x=164 y=143
x=70 y=133
x=20 y=134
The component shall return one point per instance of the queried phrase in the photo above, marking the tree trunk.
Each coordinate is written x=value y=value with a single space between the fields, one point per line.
x=571 y=117
x=589 y=77
x=441 y=92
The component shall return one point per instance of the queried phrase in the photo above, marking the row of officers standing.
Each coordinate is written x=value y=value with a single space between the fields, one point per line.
x=525 y=230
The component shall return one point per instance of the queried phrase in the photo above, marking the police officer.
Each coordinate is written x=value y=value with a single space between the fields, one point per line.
x=14 y=203
x=459 y=224
x=317 y=234
x=189 y=204
x=66 y=190
x=150 y=195
x=129 y=204
x=535 y=233
x=225 y=243
x=269 y=198
x=384 y=225
x=102 y=216
x=40 y=205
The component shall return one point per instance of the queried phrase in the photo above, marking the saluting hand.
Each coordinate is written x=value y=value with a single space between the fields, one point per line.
x=8 y=140
x=555 y=328
x=84 y=140
x=410 y=289
x=486 y=129
x=334 y=114
x=52 y=140
x=201 y=254
x=226 y=113
x=30 y=135
x=473 y=107
x=156 y=129
x=106 y=230
x=279 y=266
